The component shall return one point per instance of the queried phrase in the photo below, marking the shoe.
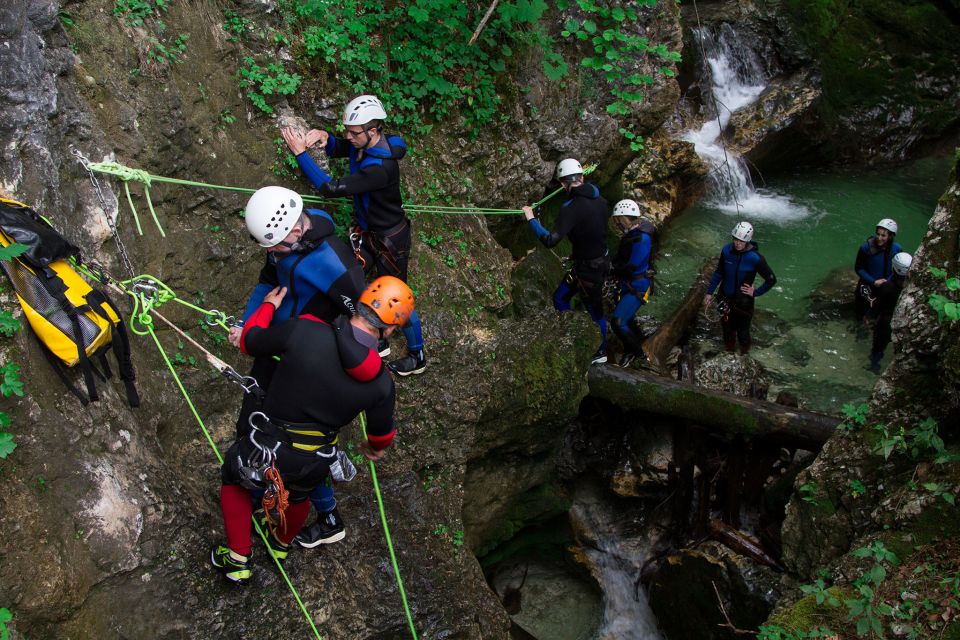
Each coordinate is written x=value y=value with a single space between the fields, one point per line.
x=627 y=358
x=277 y=549
x=235 y=571
x=383 y=348
x=600 y=357
x=326 y=530
x=414 y=362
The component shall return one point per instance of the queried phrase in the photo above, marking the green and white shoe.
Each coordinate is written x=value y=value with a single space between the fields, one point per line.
x=223 y=560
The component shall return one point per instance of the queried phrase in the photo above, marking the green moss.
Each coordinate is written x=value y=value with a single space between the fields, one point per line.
x=938 y=522
x=807 y=614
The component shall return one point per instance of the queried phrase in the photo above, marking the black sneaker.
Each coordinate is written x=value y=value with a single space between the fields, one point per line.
x=627 y=358
x=600 y=357
x=383 y=348
x=326 y=530
x=414 y=362
x=235 y=571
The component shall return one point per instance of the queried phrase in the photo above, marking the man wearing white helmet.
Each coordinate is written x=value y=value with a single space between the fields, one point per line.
x=874 y=264
x=582 y=218
x=304 y=256
x=382 y=235
x=631 y=266
x=740 y=262
x=881 y=312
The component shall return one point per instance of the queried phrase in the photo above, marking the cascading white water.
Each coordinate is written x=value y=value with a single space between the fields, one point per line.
x=736 y=79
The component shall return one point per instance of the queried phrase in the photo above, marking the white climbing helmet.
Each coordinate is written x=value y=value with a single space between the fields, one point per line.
x=626 y=208
x=743 y=231
x=889 y=224
x=901 y=263
x=567 y=168
x=363 y=109
x=271 y=213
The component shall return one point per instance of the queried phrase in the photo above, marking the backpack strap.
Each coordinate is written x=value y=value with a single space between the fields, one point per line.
x=97 y=299
x=59 y=369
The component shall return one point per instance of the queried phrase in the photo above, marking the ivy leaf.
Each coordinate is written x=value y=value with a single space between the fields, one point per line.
x=7 y=445
x=12 y=250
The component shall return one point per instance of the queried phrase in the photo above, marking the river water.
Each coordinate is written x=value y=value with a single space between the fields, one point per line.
x=809 y=227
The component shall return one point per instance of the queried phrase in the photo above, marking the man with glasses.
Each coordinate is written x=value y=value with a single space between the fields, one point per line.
x=874 y=265
x=382 y=235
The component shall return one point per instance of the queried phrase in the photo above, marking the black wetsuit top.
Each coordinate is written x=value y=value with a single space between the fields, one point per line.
x=582 y=218
x=325 y=376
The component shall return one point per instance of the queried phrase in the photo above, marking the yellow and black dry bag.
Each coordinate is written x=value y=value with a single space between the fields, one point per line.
x=74 y=322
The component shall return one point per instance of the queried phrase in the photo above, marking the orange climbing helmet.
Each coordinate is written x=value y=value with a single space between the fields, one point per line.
x=390 y=299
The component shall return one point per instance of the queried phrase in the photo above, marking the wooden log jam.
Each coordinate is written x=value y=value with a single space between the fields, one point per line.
x=723 y=412
x=657 y=347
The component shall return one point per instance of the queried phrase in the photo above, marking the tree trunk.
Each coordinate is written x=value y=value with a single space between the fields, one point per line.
x=657 y=347
x=784 y=426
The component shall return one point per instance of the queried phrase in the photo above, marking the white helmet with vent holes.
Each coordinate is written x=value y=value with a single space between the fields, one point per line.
x=626 y=208
x=363 y=109
x=271 y=213
x=743 y=231
x=568 y=168
x=901 y=263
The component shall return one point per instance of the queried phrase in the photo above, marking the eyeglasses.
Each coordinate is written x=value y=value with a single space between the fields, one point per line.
x=354 y=134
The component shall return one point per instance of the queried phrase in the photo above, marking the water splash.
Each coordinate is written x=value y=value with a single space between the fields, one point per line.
x=736 y=79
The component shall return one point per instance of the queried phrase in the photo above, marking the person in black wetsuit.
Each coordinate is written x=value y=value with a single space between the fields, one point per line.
x=880 y=312
x=582 y=218
x=382 y=234
x=322 y=279
x=327 y=374
x=740 y=262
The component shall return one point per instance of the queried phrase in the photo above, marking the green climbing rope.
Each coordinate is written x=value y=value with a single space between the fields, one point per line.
x=146 y=320
x=386 y=534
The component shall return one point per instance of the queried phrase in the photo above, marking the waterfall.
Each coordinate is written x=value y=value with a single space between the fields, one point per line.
x=733 y=78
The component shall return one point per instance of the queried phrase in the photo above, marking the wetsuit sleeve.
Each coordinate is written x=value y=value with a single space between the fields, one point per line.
x=769 y=279
x=717 y=276
x=259 y=338
x=380 y=427
x=860 y=266
x=369 y=178
x=268 y=281
x=337 y=147
x=640 y=254
x=317 y=176
x=560 y=229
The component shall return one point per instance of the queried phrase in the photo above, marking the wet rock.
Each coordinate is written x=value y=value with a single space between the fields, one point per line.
x=740 y=375
x=697 y=577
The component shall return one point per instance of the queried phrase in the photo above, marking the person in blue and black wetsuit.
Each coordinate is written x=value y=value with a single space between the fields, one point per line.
x=322 y=279
x=382 y=234
x=739 y=264
x=881 y=311
x=582 y=218
x=874 y=265
x=631 y=266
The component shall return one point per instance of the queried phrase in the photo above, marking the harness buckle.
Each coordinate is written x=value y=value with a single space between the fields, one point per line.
x=249 y=384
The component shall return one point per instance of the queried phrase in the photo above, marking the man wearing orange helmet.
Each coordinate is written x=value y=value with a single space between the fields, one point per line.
x=327 y=375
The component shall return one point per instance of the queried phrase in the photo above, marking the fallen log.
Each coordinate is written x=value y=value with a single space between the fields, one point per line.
x=657 y=347
x=715 y=410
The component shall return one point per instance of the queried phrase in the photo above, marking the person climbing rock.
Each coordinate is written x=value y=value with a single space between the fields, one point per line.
x=327 y=374
x=631 y=267
x=582 y=218
x=740 y=262
x=874 y=265
x=381 y=235
x=322 y=278
x=881 y=312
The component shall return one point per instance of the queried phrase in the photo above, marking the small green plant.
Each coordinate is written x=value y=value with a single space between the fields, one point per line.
x=855 y=415
x=941 y=491
x=162 y=53
x=235 y=25
x=458 y=538
x=5 y=618
x=134 y=12
x=260 y=82
x=450 y=261
x=227 y=118
x=947 y=310
x=776 y=632
x=285 y=162
x=889 y=441
x=808 y=492
x=431 y=241
x=42 y=484
x=66 y=19
x=857 y=488
x=440 y=530
x=821 y=593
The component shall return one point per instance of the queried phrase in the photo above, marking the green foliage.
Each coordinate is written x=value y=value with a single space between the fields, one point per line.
x=162 y=53
x=941 y=491
x=857 y=488
x=415 y=56
x=7 y=445
x=820 y=592
x=921 y=441
x=855 y=415
x=808 y=492
x=66 y=19
x=776 y=632
x=431 y=241
x=134 y=12
x=8 y=324
x=12 y=250
x=235 y=25
x=947 y=309
x=11 y=384
x=271 y=80
x=616 y=52
x=227 y=118
x=285 y=163
x=5 y=617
